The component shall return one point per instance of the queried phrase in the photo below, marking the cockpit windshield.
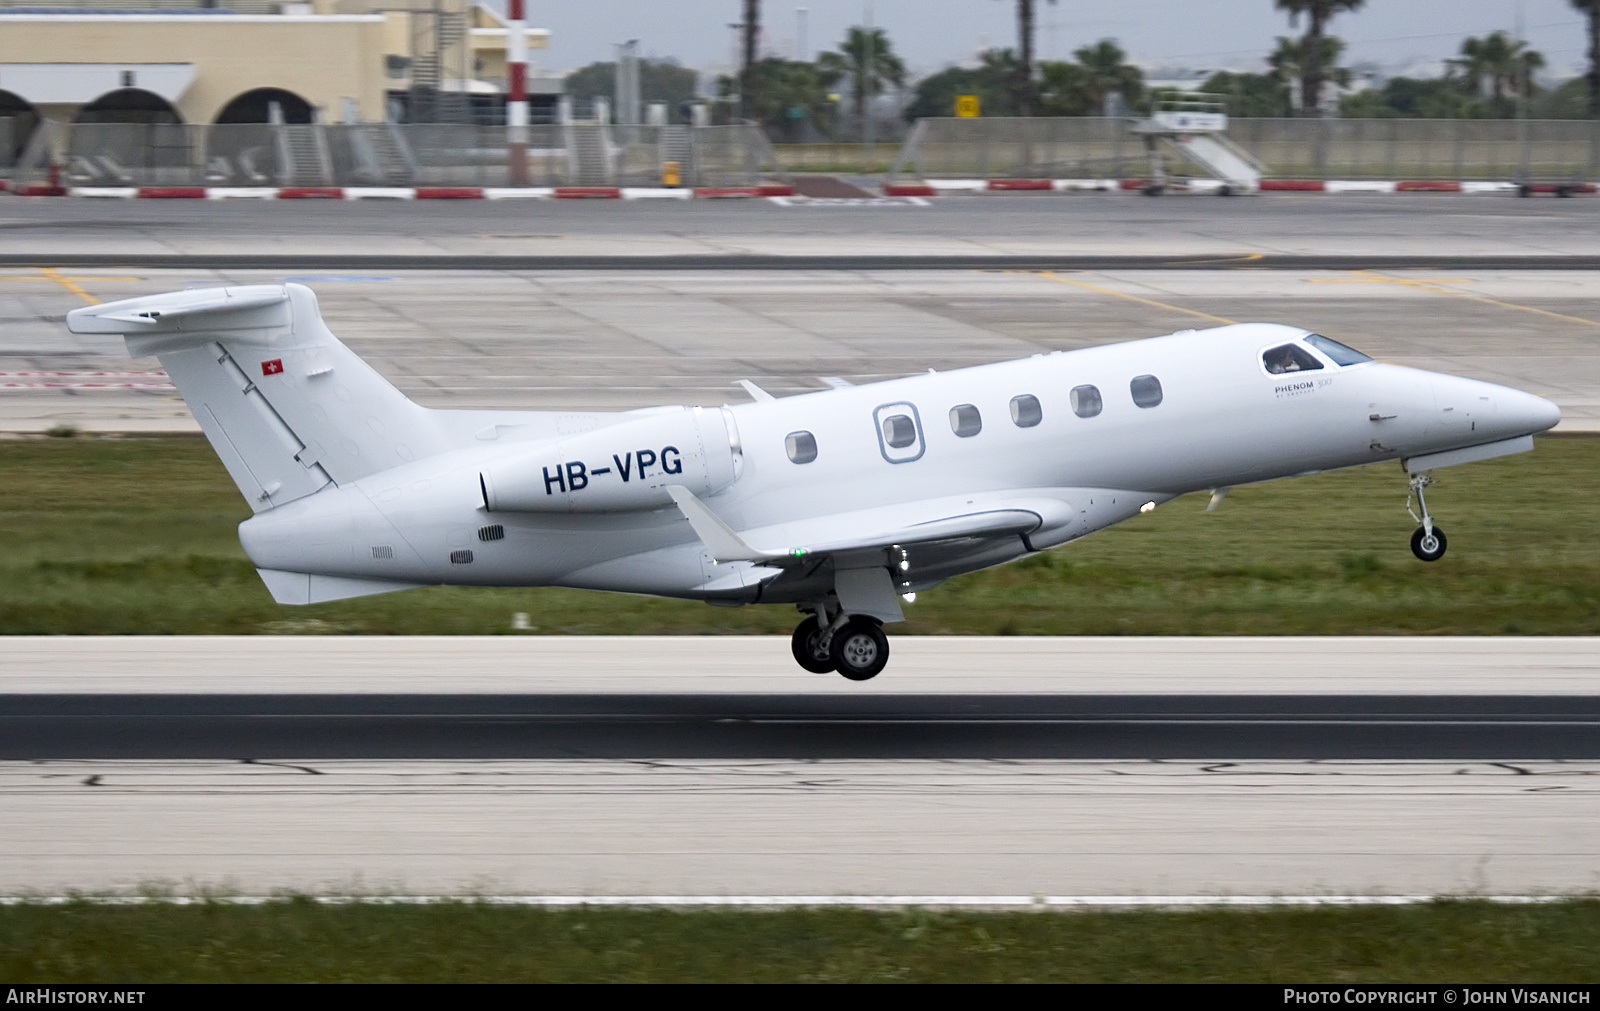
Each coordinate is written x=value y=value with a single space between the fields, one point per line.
x=1289 y=358
x=1340 y=354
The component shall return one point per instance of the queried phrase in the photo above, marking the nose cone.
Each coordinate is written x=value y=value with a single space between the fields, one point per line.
x=1525 y=414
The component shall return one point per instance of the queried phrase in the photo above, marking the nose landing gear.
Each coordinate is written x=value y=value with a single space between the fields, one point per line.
x=1428 y=541
x=853 y=645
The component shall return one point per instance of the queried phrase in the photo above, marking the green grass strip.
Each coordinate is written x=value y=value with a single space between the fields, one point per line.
x=298 y=940
x=102 y=536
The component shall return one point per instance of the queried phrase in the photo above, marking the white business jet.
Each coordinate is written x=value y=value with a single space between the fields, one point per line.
x=841 y=502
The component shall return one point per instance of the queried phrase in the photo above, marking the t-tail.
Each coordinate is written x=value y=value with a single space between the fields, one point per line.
x=287 y=407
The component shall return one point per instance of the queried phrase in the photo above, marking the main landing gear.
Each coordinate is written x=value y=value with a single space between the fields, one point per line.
x=1428 y=541
x=853 y=645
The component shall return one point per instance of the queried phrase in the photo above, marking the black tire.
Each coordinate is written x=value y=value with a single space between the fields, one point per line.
x=1429 y=549
x=806 y=652
x=859 y=649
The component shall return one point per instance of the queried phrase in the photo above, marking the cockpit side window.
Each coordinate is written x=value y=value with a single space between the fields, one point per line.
x=1289 y=358
x=1340 y=354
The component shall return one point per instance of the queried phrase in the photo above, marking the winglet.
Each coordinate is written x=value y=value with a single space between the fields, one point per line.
x=760 y=395
x=724 y=544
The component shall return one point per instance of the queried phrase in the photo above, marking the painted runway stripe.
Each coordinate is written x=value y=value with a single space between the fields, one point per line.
x=801 y=901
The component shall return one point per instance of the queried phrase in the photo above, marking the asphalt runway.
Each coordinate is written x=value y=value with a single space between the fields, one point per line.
x=1025 y=225
x=1489 y=783
x=777 y=827
x=611 y=340
x=679 y=766
x=797 y=727
x=763 y=262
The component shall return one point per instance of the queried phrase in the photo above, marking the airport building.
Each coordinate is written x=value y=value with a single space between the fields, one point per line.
x=202 y=62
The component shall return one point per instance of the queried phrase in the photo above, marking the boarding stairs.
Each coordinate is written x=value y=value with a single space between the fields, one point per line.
x=591 y=157
x=675 y=143
x=1194 y=127
x=303 y=155
x=382 y=154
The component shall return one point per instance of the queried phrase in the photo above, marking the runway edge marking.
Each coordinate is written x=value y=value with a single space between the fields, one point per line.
x=770 y=901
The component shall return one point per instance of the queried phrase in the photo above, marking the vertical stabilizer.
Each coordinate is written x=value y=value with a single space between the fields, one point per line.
x=286 y=406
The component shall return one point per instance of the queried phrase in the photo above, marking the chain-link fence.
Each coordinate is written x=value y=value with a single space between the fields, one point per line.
x=387 y=154
x=593 y=154
x=1091 y=147
x=1044 y=147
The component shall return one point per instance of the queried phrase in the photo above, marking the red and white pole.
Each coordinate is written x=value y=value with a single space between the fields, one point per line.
x=517 y=94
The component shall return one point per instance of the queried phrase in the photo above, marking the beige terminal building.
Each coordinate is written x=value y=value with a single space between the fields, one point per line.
x=251 y=61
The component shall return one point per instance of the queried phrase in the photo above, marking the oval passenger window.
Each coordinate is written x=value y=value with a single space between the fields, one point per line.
x=899 y=431
x=801 y=446
x=965 y=421
x=1025 y=411
x=1086 y=402
x=1146 y=390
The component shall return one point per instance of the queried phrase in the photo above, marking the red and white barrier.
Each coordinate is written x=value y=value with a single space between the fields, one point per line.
x=414 y=193
x=927 y=188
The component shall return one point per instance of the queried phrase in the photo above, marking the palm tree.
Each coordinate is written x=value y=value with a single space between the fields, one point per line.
x=1025 y=90
x=865 y=58
x=1293 y=56
x=1506 y=63
x=1318 y=14
x=1592 y=9
x=1107 y=72
x=749 y=43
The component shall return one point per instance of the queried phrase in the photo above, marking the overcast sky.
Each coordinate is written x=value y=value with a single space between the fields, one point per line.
x=1399 y=35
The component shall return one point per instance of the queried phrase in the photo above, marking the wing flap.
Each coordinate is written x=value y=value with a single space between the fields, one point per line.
x=910 y=523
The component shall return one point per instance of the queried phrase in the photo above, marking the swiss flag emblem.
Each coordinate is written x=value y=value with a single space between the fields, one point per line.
x=272 y=368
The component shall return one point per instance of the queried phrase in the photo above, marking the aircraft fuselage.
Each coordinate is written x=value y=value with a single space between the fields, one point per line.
x=1083 y=439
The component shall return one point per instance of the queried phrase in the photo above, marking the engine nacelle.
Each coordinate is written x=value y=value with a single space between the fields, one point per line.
x=620 y=468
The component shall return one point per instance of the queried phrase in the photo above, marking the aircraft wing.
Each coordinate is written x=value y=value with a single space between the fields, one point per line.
x=988 y=515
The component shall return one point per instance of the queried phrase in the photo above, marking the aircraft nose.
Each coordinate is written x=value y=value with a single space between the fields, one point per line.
x=1525 y=413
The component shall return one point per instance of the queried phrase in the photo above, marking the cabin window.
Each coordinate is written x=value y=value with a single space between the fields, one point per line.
x=1025 y=411
x=965 y=420
x=1289 y=358
x=1340 y=354
x=801 y=446
x=1146 y=390
x=1086 y=402
x=899 y=432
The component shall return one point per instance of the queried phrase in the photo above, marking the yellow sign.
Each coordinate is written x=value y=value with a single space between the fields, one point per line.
x=967 y=106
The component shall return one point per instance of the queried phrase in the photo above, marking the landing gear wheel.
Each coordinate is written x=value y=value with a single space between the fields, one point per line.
x=808 y=650
x=1428 y=547
x=859 y=649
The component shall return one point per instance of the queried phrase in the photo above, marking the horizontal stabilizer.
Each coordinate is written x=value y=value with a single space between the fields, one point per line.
x=178 y=311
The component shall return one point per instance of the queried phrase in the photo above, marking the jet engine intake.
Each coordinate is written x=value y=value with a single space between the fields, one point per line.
x=620 y=468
